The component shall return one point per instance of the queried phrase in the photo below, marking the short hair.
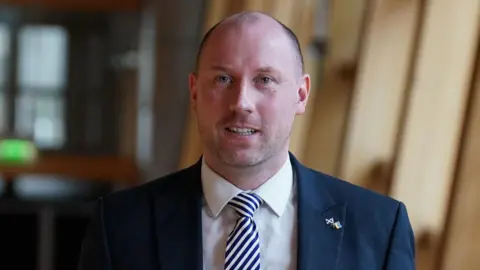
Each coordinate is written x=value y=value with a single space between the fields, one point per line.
x=290 y=34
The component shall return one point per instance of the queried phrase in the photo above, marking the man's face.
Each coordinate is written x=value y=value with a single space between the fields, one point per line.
x=247 y=92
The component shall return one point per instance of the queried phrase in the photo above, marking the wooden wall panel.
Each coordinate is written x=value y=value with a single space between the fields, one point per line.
x=428 y=152
x=215 y=12
x=286 y=11
x=462 y=240
x=256 y=4
x=382 y=80
x=303 y=22
x=191 y=146
x=119 y=170
x=330 y=106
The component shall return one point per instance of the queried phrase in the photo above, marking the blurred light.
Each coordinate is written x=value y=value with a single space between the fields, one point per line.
x=17 y=151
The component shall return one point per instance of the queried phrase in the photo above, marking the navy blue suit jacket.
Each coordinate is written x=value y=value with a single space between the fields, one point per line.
x=158 y=226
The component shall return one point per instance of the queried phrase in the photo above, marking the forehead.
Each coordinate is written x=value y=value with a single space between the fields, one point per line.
x=249 y=45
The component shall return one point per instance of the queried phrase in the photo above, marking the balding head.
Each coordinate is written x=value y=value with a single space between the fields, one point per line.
x=248 y=89
x=252 y=19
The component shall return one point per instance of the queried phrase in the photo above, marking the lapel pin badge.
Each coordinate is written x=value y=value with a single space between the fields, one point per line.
x=335 y=224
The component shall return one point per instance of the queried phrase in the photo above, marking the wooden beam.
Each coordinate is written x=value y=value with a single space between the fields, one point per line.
x=285 y=10
x=303 y=21
x=255 y=5
x=431 y=134
x=330 y=106
x=88 y=168
x=216 y=10
x=462 y=240
x=192 y=148
x=377 y=103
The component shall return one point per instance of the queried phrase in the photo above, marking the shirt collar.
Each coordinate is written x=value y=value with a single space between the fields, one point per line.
x=275 y=192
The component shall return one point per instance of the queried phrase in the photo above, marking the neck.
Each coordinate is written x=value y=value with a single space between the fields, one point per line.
x=251 y=177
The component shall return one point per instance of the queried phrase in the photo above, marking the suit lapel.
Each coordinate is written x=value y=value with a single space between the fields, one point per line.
x=178 y=222
x=319 y=242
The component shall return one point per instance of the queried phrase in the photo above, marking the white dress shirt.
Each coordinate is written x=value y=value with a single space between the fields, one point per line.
x=275 y=219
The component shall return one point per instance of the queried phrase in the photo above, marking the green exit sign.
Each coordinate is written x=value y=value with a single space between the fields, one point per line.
x=17 y=151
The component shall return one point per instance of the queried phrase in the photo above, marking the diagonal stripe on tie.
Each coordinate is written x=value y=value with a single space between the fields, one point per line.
x=243 y=244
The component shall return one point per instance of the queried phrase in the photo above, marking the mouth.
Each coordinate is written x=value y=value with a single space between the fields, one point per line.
x=241 y=131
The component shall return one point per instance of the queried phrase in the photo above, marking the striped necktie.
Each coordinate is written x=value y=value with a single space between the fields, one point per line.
x=243 y=246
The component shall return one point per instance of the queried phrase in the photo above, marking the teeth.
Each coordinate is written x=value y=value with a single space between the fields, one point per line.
x=242 y=131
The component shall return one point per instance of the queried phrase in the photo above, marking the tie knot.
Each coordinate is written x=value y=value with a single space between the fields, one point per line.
x=245 y=204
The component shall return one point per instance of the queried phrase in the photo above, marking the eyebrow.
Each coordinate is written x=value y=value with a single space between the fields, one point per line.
x=267 y=69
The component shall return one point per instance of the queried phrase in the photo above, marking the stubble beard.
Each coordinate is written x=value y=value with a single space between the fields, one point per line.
x=255 y=156
x=265 y=150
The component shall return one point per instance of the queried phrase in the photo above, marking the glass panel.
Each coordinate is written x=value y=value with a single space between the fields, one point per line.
x=48 y=126
x=42 y=63
x=42 y=58
x=46 y=186
x=24 y=115
x=41 y=118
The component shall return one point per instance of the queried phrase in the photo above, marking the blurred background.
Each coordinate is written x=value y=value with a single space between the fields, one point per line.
x=94 y=98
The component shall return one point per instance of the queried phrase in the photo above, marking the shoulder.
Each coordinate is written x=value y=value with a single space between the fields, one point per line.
x=340 y=191
x=373 y=223
x=355 y=195
x=138 y=199
x=375 y=215
x=361 y=204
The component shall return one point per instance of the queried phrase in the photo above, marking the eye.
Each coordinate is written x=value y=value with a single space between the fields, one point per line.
x=223 y=79
x=265 y=80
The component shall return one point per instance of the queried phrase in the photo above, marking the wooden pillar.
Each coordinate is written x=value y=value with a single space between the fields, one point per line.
x=377 y=103
x=330 y=105
x=435 y=111
x=462 y=241
x=423 y=174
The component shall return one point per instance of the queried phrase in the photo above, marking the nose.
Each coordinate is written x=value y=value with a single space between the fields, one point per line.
x=241 y=101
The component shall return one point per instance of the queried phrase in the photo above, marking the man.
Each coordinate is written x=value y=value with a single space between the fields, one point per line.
x=248 y=203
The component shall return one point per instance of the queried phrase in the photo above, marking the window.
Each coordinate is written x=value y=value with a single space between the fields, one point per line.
x=42 y=58
x=41 y=117
x=41 y=80
x=4 y=52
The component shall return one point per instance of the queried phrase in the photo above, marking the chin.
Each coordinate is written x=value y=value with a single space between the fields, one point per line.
x=240 y=158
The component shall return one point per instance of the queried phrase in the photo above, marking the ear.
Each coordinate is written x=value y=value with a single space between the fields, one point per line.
x=303 y=93
x=192 y=84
